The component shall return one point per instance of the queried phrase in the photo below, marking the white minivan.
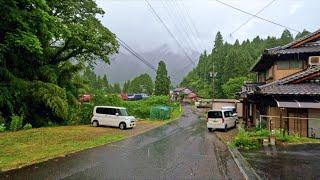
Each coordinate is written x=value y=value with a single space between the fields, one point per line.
x=220 y=119
x=112 y=116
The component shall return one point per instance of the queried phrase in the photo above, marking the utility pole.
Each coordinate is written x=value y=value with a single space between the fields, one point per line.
x=213 y=76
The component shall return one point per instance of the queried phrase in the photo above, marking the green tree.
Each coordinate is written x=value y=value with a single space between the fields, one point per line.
x=141 y=84
x=115 y=88
x=230 y=61
x=302 y=34
x=162 y=83
x=38 y=41
x=233 y=85
x=126 y=86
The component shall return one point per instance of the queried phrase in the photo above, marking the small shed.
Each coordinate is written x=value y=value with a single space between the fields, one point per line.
x=219 y=103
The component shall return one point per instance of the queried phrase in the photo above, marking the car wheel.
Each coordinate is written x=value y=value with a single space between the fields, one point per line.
x=235 y=124
x=210 y=129
x=122 y=126
x=225 y=128
x=95 y=123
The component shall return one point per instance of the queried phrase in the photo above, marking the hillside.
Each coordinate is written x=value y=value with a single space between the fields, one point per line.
x=232 y=64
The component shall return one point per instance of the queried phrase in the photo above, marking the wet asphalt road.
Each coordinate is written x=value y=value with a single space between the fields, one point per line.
x=287 y=162
x=183 y=149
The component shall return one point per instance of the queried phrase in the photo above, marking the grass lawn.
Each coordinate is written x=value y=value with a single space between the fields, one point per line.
x=27 y=147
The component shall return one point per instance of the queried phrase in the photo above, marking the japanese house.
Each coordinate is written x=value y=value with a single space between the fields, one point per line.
x=287 y=91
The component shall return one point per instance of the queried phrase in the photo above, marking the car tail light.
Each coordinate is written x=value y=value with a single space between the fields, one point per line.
x=222 y=120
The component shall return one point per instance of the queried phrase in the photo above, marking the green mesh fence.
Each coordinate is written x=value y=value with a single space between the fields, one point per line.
x=160 y=112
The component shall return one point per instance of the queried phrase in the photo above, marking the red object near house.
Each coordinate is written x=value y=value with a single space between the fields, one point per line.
x=124 y=96
x=85 y=98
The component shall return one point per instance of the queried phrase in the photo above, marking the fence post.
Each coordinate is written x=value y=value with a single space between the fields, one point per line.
x=260 y=121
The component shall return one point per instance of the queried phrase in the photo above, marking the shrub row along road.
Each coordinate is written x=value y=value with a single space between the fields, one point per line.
x=182 y=149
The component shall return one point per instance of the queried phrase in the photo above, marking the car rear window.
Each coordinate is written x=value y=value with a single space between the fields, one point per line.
x=214 y=114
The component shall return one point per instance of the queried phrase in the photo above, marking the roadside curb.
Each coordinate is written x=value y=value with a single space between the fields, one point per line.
x=245 y=168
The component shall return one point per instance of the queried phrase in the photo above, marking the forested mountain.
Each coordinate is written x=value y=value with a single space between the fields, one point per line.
x=232 y=64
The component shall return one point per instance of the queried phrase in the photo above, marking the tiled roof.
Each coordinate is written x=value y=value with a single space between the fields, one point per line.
x=311 y=47
x=300 y=39
x=282 y=86
x=293 y=89
x=305 y=49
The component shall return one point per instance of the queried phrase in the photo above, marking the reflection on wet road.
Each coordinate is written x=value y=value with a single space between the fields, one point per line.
x=180 y=150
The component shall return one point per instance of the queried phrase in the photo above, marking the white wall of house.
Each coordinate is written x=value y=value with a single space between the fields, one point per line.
x=314 y=123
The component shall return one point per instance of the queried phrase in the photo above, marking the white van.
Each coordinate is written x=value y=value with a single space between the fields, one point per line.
x=112 y=116
x=220 y=119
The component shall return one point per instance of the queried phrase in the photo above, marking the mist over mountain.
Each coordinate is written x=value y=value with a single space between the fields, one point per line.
x=125 y=66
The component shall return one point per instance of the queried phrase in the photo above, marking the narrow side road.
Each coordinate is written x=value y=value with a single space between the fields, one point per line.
x=183 y=149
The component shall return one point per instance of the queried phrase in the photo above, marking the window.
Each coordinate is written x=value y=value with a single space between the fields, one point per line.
x=214 y=114
x=295 y=64
x=227 y=114
x=283 y=65
x=109 y=111
x=123 y=112
x=290 y=64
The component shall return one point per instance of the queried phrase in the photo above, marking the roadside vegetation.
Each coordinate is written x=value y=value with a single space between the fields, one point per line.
x=252 y=139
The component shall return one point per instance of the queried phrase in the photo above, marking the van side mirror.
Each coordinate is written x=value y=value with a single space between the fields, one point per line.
x=117 y=114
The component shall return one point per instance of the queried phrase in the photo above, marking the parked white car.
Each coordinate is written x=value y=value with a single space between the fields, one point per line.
x=220 y=119
x=112 y=116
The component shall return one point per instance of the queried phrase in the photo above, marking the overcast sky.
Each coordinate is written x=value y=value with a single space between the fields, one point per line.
x=134 y=22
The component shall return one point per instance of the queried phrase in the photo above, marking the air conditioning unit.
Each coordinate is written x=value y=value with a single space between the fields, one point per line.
x=314 y=60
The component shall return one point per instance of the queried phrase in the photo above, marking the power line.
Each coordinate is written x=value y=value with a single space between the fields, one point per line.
x=186 y=9
x=187 y=28
x=168 y=30
x=129 y=49
x=188 y=42
x=252 y=17
x=264 y=19
x=139 y=57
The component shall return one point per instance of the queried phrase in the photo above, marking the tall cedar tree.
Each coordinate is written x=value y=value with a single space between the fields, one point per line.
x=162 y=83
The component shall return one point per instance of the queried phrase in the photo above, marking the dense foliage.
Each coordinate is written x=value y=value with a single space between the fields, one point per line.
x=162 y=83
x=43 y=47
x=232 y=63
x=139 y=109
x=141 y=84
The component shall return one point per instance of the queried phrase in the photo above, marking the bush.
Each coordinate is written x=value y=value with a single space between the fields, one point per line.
x=245 y=141
x=27 y=126
x=16 y=123
x=2 y=128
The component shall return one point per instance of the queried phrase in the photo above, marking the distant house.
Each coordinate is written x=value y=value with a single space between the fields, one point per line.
x=184 y=94
x=287 y=94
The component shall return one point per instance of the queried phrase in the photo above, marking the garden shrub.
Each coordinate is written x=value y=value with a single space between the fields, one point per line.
x=245 y=141
x=2 y=127
x=27 y=126
x=16 y=123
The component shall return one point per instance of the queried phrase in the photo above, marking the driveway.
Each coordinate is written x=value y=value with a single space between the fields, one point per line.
x=183 y=149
